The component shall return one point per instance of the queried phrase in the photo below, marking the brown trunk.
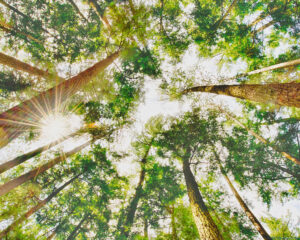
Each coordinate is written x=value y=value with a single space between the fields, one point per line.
x=77 y=9
x=125 y=226
x=75 y=232
x=36 y=208
x=6 y=187
x=25 y=115
x=260 y=138
x=102 y=18
x=218 y=23
x=21 y=66
x=264 y=27
x=20 y=159
x=246 y=209
x=284 y=94
x=207 y=229
x=10 y=29
x=262 y=16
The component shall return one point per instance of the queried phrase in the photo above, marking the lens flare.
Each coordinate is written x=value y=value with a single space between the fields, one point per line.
x=54 y=126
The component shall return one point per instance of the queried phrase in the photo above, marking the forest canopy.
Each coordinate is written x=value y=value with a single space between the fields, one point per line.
x=161 y=119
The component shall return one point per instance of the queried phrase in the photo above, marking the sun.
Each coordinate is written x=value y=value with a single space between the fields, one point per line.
x=54 y=126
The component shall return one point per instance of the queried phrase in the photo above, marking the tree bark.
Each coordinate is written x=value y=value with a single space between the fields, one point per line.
x=6 y=187
x=283 y=94
x=21 y=66
x=263 y=27
x=146 y=228
x=125 y=226
x=207 y=229
x=36 y=208
x=20 y=159
x=261 y=139
x=21 y=117
x=77 y=9
x=246 y=209
x=75 y=232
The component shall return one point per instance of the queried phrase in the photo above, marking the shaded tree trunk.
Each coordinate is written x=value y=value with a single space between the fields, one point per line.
x=246 y=209
x=36 y=208
x=21 y=66
x=207 y=229
x=261 y=139
x=171 y=211
x=125 y=225
x=25 y=115
x=100 y=13
x=77 y=9
x=283 y=94
x=6 y=187
x=145 y=228
x=75 y=232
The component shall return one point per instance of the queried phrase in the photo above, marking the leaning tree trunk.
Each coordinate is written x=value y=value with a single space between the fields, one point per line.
x=36 y=208
x=125 y=225
x=284 y=94
x=25 y=115
x=246 y=209
x=207 y=229
x=219 y=22
x=75 y=232
x=25 y=67
x=77 y=9
x=24 y=157
x=261 y=139
x=6 y=187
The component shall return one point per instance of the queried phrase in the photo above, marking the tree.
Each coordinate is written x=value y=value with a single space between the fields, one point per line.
x=183 y=140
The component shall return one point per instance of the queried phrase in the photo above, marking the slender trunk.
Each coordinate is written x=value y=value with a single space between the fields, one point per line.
x=284 y=94
x=263 y=27
x=99 y=12
x=173 y=224
x=20 y=13
x=262 y=16
x=77 y=9
x=207 y=229
x=21 y=66
x=219 y=22
x=11 y=30
x=6 y=187
x=125 y=226
x=260 y=138
x=145 y=228
x=246 y=209
x=273 y=67
x=75 y=232
x=36 y=208
x=282 y=120
x=20 y=159
x=25 y=115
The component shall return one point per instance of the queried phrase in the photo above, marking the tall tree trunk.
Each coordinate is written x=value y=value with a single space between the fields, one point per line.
x=6 y=187
x=24 y=157
x=219 y=22
x=125 y=225
x=246 y=209
x=100 y=14
x=12 y=30
x=207 y=229
x=75 y=232
x=171 y=211
x=21 y=66
x=261 y=139
x=284 y=94
x=21 y=117
x=36 y=208
x=77 y=9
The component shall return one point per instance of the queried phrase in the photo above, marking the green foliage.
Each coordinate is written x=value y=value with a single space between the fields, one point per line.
x=9 y=82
